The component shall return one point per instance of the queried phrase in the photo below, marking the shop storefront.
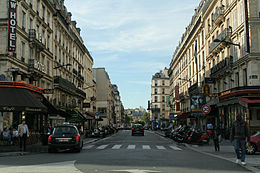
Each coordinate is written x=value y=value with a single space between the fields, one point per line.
x=21 y=101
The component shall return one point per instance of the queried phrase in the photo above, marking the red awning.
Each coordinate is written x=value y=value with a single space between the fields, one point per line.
x=247 y=101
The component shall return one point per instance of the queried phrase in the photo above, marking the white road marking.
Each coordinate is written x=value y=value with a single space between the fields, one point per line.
x=101 y=147
x=88 y=147
x=116 y=147
x=131 y=147
x=146 y=147
x=135 y=171
x=160 y=147
x=175 y=148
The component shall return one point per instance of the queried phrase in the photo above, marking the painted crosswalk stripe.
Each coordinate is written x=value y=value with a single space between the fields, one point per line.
x=88 y=147
x=116 y=147
x=175 y=148
x=160 y=147
x=146 y=147
x=101 y=147
x=131 y=147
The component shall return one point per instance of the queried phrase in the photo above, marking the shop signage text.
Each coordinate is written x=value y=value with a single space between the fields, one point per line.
x=12 y=16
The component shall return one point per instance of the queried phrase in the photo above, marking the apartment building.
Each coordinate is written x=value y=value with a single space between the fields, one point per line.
x=42 y=46
x=159 y=95
x=118 y=117
x=104 y=100
x=217 y=63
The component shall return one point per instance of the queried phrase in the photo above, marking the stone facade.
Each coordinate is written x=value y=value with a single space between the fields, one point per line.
x=159 y=94
x=214 y=46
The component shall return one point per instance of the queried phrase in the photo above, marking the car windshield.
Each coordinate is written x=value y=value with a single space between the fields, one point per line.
x=64 y=130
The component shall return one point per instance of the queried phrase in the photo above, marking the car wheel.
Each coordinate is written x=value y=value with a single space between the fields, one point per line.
x=251 y=149
x=51 y=150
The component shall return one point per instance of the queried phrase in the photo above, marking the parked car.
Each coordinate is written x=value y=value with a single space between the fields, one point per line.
x=254 y=143
x=137 y=129
x=65 y=137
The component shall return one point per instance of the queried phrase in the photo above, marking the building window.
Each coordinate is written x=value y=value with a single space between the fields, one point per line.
x=156 y=82
x=38 y=6
x=163 y=98
x=155 y=91
x=23 y=20
x=163 y=107
x=31 y=23
x=163 y=91
x=48 y=18
x=237 y=79
x=163 y=82
x=155 y=98
x=245 y=77
x=230 y=82
x=235 y=19
x=22 y=51
x=48 y=67
x=43 y=13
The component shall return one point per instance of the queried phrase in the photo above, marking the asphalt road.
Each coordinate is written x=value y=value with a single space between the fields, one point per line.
x=122 y=153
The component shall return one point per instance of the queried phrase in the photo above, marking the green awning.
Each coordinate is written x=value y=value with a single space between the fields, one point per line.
x=75 y=117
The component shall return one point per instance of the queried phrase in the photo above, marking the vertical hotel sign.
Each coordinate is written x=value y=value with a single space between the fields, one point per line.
x=12 y=20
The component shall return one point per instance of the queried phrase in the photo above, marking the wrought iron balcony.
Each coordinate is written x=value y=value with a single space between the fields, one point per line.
x=67 y=85
x=218 y=16
x=36 y=39
x=225 y=35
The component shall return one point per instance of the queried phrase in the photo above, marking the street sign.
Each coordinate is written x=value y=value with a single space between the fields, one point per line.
x=210 y=80
x=48 y=91
x=171 y=116
x=97 y=113
x=206 y=109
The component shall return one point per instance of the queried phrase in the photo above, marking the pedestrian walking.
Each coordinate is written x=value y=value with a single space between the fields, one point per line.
x=239 y=133
x=23 y=132
x=216 y=135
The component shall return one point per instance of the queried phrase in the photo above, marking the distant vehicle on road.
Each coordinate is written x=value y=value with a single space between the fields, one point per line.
x=65 y=137
x=137 y=129
x=254 y=144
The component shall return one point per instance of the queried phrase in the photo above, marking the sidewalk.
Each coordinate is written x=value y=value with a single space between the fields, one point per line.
x=14 y=150
x=226 y=152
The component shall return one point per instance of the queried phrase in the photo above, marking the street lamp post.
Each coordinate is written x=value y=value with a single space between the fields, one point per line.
x=227 y=42
x=188 y=80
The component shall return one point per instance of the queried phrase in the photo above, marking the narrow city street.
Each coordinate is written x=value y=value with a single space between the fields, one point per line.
x=122 y=152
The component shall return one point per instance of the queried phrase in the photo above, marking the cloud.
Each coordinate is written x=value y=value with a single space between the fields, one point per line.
x=129 y=25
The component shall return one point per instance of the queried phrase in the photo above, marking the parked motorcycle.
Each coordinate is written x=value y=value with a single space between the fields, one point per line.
x=196 y=136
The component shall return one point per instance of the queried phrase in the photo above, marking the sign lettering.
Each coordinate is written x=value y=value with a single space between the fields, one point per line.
x=12 y=18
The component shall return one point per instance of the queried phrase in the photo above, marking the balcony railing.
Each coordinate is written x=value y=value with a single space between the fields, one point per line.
x=65 y=84
x=218 y=15
x=225 y=35
x=221 y=66
x=36 y=38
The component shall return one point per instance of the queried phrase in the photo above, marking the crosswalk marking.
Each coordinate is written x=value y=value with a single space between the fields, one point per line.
x=131 y=147
x=101 y=147
x=146 y=147
x=175 y=148
x=116 y=147
x=88 y=147
x=160 y=147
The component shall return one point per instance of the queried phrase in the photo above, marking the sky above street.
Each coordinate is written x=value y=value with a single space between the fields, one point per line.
x=132 y=39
